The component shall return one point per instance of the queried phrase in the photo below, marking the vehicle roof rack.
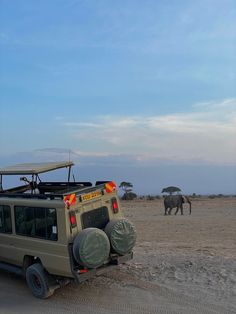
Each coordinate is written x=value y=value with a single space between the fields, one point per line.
x=33 y=196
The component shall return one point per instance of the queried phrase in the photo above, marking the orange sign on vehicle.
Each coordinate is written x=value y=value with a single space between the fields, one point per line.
x=110 y=187
x=70 y=199
x=89 y=196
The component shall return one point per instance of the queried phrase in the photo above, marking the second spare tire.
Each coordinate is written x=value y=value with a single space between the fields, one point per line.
x=122 y=235
x=91 y=248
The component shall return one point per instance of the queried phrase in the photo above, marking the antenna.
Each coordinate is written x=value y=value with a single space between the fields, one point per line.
x=69 y=154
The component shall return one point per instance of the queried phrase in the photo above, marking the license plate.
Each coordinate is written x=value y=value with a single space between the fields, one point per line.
x=89 y=196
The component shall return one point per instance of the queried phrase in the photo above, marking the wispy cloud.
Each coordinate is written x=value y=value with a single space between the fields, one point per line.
x=207 y=135
x=226 y=103
x=82 y=124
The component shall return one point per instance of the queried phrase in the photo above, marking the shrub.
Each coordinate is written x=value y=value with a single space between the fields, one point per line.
x=129 y=196
x=150 y=198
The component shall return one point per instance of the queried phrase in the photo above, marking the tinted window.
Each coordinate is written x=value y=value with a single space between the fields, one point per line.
x=5 y=219
x=96 y=218
x=36 y=222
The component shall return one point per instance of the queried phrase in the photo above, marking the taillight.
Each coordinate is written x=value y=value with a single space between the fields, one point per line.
x=115 y=207
x=73 y=219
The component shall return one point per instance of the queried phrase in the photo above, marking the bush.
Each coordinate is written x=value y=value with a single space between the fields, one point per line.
x=212 y=196
x=129 y=196
x=150 y=198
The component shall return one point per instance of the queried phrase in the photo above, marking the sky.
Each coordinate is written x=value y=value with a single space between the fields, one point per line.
x=138 y=91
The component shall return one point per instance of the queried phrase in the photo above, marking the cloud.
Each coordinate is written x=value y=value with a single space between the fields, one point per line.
x=229 y=103
x=207 y=134
x=82 y=124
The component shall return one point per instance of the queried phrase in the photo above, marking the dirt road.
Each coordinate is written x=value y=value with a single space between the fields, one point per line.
x=183 y=264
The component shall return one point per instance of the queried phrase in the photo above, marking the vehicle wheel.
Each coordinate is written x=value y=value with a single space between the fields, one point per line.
x=37 y=281
x=122 y=235
x=91 y=248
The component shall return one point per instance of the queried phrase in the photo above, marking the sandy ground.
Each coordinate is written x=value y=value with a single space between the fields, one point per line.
x=182 y=264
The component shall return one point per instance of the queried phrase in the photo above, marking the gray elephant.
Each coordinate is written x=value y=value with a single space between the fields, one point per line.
x=176 y=201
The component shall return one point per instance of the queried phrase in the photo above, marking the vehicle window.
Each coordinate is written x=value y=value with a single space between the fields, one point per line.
x=5 y=219
x=36 y=222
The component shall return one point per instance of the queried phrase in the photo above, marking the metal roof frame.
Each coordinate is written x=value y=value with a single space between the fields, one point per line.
x=34 y=168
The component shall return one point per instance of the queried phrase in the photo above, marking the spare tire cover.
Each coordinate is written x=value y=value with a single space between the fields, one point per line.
x=91 y=248
x=122 y=235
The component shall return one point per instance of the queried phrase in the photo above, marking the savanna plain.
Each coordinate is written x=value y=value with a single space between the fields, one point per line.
x=182 y=264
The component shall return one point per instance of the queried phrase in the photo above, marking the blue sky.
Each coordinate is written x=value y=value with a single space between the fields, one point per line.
x=127 y=84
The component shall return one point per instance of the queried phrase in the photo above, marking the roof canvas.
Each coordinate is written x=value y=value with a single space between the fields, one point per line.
x=34 y=168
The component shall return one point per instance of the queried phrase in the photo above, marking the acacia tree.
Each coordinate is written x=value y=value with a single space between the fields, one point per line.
x=126 y=186
x=171 y=190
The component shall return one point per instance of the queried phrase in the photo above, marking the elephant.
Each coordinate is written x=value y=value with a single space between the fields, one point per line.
x=176 y=201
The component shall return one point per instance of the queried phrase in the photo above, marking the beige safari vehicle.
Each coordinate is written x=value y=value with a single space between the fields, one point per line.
x=55 y=232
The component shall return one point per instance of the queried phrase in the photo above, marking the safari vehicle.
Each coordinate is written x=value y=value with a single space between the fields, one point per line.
x=55 y=232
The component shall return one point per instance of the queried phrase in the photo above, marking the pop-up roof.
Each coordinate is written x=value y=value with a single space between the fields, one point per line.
x=34 y=168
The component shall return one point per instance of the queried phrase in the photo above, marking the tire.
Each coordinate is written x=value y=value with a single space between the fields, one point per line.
x=122 y=235
x=37 y=281
x=91 y=248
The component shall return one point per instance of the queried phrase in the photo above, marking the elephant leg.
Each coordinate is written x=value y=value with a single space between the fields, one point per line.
x=181 y=209
x=169 y=213
x=166 y=210
x=177 y=209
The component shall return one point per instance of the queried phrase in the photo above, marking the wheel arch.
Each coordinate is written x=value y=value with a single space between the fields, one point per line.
x=29 y=260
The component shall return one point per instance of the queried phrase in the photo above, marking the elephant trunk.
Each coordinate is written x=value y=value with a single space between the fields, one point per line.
x=186 y=200
x=190 y=205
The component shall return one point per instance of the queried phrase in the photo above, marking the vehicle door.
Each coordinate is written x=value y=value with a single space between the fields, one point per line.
x=6 y=234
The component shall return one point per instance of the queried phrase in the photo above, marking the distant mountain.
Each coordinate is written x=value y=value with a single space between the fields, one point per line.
x=147 y=177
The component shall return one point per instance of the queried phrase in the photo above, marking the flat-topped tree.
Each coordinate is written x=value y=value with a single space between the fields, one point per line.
x=126 y=186
x=171 y=189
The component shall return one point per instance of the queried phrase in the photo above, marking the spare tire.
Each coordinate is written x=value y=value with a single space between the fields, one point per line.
x=122 y=235
x=91 y=248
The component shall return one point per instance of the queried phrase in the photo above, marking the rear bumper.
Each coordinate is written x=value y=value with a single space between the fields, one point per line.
x=81 y=276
